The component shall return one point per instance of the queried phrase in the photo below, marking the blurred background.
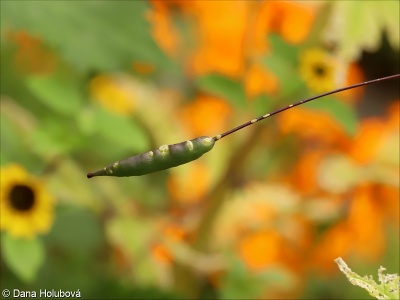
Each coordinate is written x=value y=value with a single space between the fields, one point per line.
x=264 y=214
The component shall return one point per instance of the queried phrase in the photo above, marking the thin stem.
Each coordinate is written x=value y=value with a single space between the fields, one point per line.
x=220 y=136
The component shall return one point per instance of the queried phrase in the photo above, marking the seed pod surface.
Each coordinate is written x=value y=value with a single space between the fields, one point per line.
x=164 y=157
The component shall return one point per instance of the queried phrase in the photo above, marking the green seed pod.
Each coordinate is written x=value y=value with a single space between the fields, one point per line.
x=165 y=157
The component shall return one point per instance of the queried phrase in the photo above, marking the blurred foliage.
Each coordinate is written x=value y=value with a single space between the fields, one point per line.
x=114 y=35
x=264 y=214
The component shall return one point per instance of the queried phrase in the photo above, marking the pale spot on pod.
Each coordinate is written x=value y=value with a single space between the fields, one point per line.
x=218 y=136
x=109 y=171
x=189 y=145
x=291 y=105
x=253 y=121
x=207 y=141
x=164 y=149
x=266 y=116
x=115 y=165
x=151 y=153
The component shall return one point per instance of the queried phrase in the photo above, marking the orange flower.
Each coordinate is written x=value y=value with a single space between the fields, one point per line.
x=160 y=252
x=312 y=125
x=248 y=209
x=260 y=249
x=205 y=115
x=191 y=186
x=230 y=33
x=256 y=206
x=221 y=29
x=303 y=176
x=394 y=115
x=367 y=141
x=361 y=234
x=354 y=74
x=291 y=19
x=32 y=56
x=374 y=136
x=335 y=242
x=162 y=28
x=259 y=80
x=226 y=44
x=366 y=223
x=389 y=200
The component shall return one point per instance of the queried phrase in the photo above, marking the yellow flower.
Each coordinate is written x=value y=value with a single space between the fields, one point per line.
x=26 y=206
x=114 y=93
x=318 y=69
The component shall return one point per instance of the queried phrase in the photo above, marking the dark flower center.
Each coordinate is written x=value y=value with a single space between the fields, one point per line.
x=22 y=197
x=319 y=70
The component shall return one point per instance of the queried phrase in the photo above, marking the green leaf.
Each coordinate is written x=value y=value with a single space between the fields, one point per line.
x=16 y=126
x=342 y=112
x=283 y=63
x=238 y=283
x=24 y=257
x=53 y=137
x=224 y=87
x=45 y=145
x=261 y=104
x=76 y=231
x=4 y=159
x=111 y=288
x=133 y=233
x=283 y=58
x=10 y=137
x=56 y=92
x=102 y=35
x=353 y=27
x=387 y=289
x=121 y=131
